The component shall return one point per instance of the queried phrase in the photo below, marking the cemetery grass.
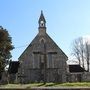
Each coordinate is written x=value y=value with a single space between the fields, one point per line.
x=76 y=84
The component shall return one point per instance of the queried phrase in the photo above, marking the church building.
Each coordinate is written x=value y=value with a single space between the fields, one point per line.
x=42 y=60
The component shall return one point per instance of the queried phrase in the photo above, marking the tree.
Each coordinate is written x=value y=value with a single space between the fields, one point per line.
x=5 y=47
x=81 y=52
x=87 y=52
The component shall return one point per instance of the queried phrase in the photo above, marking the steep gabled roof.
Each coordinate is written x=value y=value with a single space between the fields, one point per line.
x=48 y=41
x=43 y=35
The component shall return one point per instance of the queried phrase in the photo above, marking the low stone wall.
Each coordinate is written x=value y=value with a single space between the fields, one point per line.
x=74 y=77
x=78 y=77
x=86 y=77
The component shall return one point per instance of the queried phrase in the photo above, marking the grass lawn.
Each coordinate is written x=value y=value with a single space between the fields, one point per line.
x=83 y=84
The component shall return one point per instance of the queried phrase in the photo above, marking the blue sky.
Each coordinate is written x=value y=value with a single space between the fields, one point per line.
x=66 y=20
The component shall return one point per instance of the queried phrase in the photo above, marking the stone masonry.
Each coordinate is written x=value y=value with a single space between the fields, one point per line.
x=42 y=60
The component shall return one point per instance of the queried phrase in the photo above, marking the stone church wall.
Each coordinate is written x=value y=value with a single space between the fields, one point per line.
x=86 y=77
x=43 y=59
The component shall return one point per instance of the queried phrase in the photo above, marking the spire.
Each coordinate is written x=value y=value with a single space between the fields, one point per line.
x=42 y=24
x=42 y=21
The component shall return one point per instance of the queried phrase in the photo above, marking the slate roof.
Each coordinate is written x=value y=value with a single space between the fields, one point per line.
x=76 y=68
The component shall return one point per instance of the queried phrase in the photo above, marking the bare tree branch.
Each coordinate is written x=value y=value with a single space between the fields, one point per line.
x=82 y=52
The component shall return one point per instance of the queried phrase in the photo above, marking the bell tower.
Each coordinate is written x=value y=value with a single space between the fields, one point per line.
x=42 y=24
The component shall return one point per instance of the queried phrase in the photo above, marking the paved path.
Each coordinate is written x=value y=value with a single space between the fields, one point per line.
x=61 y=88
x=48 y=88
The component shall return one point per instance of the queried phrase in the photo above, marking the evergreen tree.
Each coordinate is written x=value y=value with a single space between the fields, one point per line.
x=5 y=47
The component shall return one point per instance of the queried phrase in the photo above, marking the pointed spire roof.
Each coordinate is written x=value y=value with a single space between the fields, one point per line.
x=42 y=17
